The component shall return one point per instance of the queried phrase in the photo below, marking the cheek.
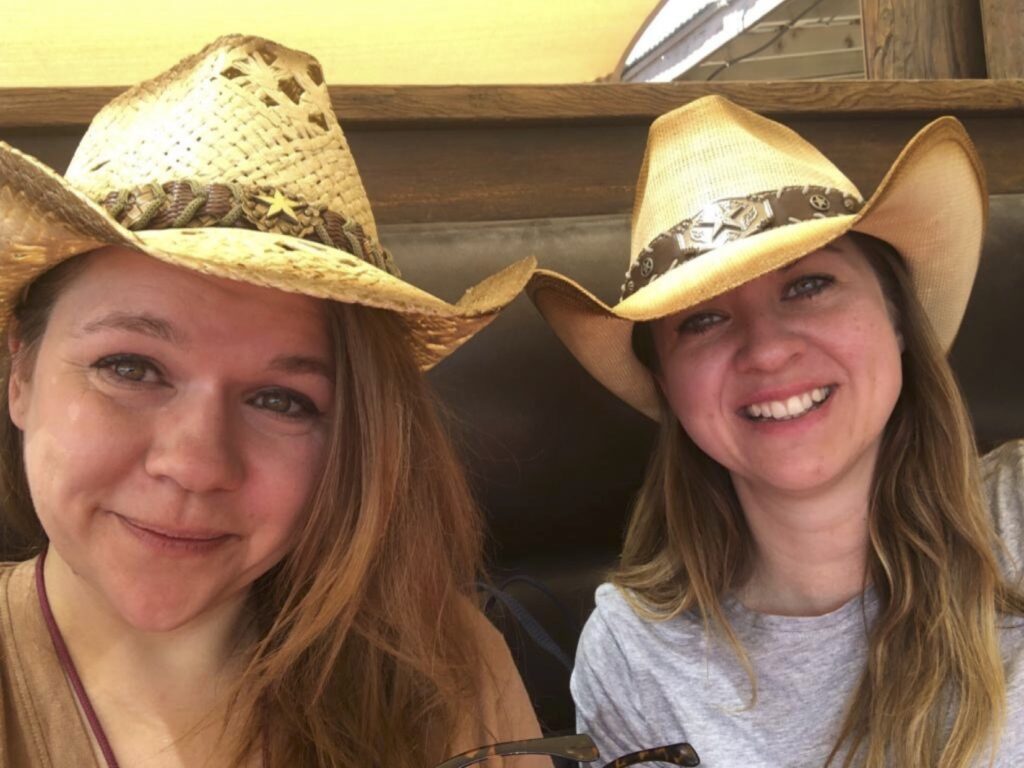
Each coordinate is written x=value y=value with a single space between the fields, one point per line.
x=281 y=481
x=694 y=393
x=74 y=450
x=874 y=346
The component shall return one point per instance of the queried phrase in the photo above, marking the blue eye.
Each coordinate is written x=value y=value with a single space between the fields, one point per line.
x=807 y=286
x=284 y=403
x=700 y=322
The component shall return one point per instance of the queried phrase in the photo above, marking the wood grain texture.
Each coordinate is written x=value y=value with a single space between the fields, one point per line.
x=404 y=105
x=922 y=39
x=529 y=170
x=1003 y=26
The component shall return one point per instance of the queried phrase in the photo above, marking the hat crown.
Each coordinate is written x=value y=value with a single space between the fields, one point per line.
x=712 y=150
x=243 y=112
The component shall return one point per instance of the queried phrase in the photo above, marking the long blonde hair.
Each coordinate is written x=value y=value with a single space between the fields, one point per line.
x=366 y=652
x=933 y=691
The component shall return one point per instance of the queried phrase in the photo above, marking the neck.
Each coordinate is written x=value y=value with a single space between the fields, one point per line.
x=175 y=676
x=811 y=548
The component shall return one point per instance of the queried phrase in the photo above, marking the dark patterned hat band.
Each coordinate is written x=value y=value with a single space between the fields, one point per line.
x=182 y=204
x=734 y=218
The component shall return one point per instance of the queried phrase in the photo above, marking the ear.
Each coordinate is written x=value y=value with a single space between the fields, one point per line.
x=18 y=387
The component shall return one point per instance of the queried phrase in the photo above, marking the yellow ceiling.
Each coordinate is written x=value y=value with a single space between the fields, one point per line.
x=100 y=42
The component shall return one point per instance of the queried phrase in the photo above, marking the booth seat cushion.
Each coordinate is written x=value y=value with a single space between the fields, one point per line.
x=555 y=459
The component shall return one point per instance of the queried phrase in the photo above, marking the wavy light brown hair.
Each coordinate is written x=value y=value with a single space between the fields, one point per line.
x=367 y=644
x=933 y=691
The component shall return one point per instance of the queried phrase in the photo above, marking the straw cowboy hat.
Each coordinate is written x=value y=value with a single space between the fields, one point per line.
x=232 y=163
x=725 y=195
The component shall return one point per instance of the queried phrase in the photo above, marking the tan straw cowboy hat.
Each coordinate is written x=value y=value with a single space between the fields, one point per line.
x=725 y=196
x=232 y=163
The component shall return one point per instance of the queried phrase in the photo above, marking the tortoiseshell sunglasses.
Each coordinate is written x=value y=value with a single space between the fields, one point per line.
x=579 y=747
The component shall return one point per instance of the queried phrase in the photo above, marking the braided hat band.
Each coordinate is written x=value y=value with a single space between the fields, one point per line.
x=188 y=204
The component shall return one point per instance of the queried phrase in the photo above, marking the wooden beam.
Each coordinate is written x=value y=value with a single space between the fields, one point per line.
x=1003 y=24
x=922 y=39
x=382 y=106
x=515 y=153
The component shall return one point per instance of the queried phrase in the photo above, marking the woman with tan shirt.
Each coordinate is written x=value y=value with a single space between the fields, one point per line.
x=244 y=537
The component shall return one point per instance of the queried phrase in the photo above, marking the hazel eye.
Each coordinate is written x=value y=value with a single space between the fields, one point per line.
x=807 y=286
x=700 y=322
x=128 y=368
x=281 y=402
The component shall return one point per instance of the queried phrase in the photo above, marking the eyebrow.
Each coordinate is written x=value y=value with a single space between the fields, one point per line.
x=302 y=364
x=143 y=323
x=831 y=247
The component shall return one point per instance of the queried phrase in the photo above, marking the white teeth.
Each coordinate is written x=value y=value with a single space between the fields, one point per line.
x=794 y=406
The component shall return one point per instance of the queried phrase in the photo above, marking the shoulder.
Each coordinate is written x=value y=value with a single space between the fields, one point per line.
x=497 y=667
x=7 y=570
x=505 y=712
x=627 y=668
x=615 y=621
x=1002 y=479
x=612 y=624
x=619 y=644
x=602 y=654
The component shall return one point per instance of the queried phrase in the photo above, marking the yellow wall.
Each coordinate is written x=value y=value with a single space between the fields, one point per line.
x=99 y=42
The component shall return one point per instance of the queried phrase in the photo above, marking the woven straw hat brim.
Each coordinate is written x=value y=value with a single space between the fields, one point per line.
x=931 y=206
x=43 y=221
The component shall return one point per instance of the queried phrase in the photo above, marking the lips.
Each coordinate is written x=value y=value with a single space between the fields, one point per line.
x=792 y=407
x=183 y=535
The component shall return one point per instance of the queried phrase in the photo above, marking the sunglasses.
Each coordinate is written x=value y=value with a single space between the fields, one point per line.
x=579 y=747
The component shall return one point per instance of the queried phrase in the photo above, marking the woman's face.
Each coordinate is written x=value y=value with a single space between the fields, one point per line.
x=174 y=426
x=787 y=381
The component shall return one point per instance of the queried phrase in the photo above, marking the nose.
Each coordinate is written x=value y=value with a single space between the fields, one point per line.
x=767 y=342
x=194 y=445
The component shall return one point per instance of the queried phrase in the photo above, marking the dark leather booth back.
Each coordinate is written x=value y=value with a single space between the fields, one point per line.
x=555 y=459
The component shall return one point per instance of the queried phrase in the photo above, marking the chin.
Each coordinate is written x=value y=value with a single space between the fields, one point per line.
x=802 y=477
x=157 y=614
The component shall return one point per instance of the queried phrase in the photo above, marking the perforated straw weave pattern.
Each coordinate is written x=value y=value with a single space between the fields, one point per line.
x=241 y=111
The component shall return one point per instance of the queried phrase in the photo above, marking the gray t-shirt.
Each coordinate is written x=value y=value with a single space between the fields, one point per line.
x=640 y=683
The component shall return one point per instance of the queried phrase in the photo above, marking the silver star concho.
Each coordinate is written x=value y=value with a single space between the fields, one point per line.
x=723 y=222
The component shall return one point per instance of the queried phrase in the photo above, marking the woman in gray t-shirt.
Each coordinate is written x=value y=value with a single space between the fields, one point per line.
x=811 y=574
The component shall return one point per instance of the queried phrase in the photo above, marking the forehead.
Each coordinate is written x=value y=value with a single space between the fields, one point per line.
x=198 y=308
x=844 y=249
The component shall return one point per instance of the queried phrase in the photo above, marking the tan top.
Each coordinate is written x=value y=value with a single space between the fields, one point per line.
x=40 y=724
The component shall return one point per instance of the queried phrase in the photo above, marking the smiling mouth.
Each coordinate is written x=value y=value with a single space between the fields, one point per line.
x=175 y=536
x=791 y=408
